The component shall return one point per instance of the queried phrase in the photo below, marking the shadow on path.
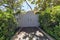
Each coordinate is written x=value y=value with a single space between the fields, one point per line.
x=30 y=33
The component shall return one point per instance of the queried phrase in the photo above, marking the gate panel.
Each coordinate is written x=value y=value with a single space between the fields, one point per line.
x=28 y=20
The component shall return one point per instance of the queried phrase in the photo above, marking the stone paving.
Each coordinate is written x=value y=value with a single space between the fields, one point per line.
x=30 y=33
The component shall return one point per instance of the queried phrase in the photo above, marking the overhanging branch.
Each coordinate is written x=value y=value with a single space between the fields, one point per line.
x=28 y=5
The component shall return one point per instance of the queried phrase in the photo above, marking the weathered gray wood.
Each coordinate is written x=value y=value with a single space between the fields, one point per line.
x=28 y=20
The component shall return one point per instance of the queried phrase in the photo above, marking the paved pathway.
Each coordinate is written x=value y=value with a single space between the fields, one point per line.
x=30 y=33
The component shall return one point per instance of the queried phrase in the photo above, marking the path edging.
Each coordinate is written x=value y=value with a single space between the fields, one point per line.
x=17 y=33
x=46 y=34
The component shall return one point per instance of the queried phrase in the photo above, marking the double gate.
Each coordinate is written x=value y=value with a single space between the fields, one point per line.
x=28 y=20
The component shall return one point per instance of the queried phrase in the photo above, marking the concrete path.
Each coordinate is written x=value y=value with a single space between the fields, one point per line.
x=29 y=33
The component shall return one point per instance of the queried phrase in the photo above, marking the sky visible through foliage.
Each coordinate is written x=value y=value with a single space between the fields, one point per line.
x=25 y=6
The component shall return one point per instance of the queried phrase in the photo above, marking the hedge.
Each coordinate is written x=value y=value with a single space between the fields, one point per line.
x=7 y=25
x=50 y=21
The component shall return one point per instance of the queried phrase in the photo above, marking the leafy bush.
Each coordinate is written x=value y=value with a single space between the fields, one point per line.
x=44 y=19
x=50 y=21
x=7 y=25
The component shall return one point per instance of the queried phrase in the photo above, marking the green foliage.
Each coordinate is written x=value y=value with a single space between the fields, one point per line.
x=7 y=25
x=56 y=12
x=13 y=4
x=50 y=21
x=44 y=18
x=45 y=3
x=55 y=33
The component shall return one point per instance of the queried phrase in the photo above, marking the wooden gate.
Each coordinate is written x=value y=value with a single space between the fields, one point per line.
x=28 y=20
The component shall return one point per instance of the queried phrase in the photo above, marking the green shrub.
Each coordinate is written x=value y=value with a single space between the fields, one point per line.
x=7 y=25
x=57 y=32
x=50 y=21
x=44 y=19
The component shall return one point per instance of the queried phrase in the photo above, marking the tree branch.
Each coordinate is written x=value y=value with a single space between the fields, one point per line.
x=28 y=5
